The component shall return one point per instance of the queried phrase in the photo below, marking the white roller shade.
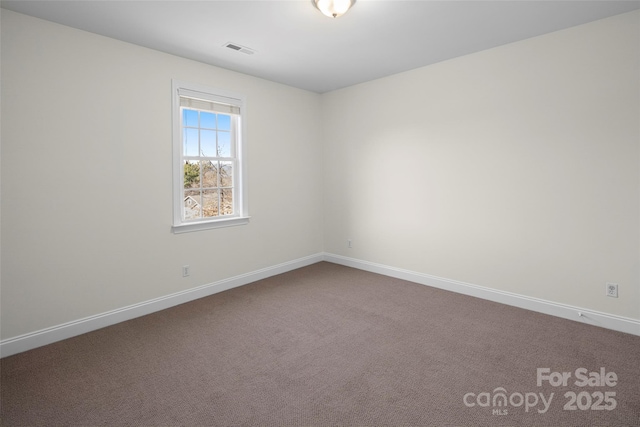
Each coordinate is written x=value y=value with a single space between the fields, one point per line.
x=201 y=101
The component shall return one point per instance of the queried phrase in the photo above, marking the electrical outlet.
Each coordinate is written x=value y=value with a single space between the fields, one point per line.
x=349 y=243
x=186 y=270
x=612 y=290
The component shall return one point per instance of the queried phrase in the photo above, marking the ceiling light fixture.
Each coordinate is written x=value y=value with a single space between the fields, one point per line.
x=333 y=8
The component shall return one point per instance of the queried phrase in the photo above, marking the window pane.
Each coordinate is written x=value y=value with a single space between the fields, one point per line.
x=224 y=144
x=207 y=120
x=189 y=118
x=210 y=203
x=191 y=170
x=224 y=122
x=226 y=197
x=208 y=143
x=209 y=174
x=190 y=140
x=192 y=209
x=226 y=174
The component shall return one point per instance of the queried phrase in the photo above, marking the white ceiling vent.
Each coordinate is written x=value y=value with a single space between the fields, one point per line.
x=239 y=48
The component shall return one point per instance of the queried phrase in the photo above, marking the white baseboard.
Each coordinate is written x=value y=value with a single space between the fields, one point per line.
x=604 y=320
x=50 y=335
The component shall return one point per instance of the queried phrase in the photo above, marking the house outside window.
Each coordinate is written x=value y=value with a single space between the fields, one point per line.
x=208 y=158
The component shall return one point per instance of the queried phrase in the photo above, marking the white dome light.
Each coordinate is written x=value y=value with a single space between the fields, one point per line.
x=333 y=8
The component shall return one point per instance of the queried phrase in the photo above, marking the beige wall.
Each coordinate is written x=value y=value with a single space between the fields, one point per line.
x=86 y=176
x=515 y=168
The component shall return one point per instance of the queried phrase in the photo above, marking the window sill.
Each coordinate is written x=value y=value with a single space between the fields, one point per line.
x=208 y=225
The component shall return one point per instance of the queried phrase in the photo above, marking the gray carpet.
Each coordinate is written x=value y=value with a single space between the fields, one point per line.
x=326 y=345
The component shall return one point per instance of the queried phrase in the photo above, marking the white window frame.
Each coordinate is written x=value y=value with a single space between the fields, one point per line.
x=241 y=213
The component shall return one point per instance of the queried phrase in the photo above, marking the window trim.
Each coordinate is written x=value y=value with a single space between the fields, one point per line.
x=216 y=95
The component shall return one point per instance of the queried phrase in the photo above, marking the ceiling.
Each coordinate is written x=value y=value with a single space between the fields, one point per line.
x=296 y=45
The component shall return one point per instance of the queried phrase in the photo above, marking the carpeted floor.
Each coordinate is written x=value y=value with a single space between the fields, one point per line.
x=328 y=345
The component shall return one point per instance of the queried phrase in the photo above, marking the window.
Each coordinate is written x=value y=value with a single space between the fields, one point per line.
x=208 y=162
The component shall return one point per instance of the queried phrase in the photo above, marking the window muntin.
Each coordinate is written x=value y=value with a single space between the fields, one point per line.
x=208 y=163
